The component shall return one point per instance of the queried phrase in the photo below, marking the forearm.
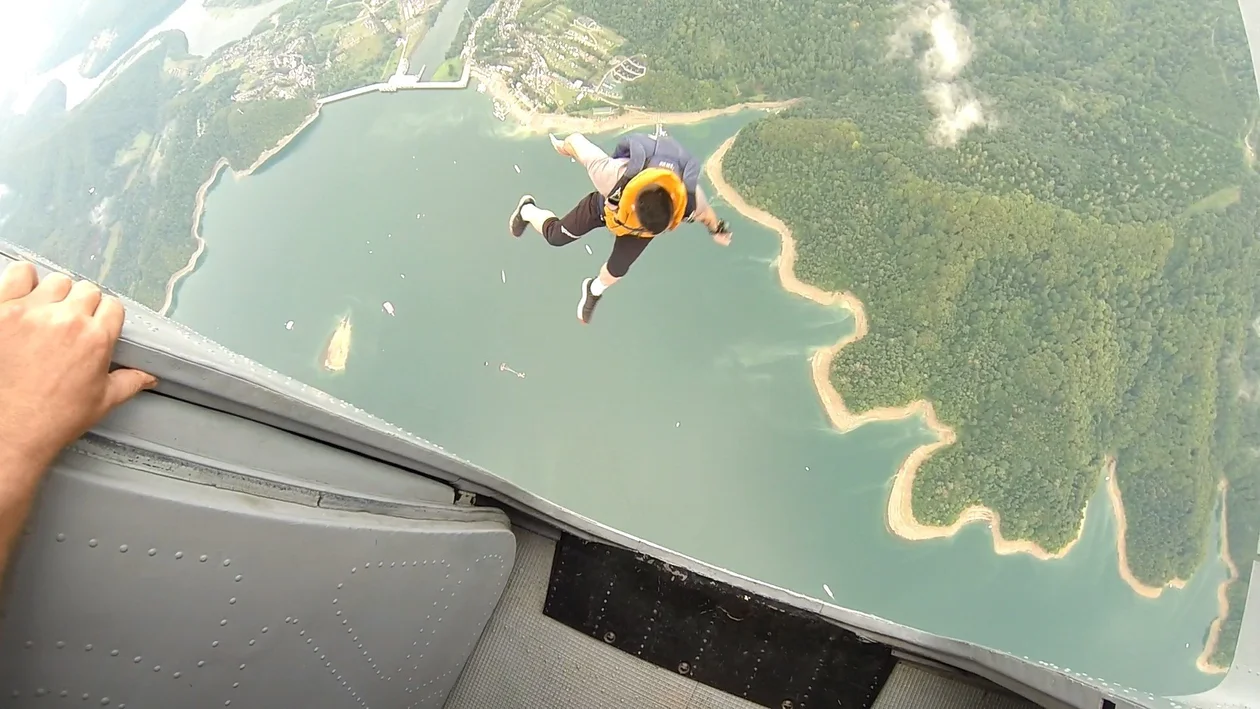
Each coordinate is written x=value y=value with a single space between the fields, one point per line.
x=705 y=215
x=19 y=482
x=720 y=231
x=704 y=212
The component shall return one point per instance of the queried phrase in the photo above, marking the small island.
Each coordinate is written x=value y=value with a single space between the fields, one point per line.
x=338 y=350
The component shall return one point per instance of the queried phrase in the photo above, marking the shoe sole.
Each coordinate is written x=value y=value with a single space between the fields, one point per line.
x=586 y=293
x=527 y=199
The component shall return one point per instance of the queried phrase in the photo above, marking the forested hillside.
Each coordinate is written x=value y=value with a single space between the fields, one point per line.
x=108 y=189
x=1074 y=276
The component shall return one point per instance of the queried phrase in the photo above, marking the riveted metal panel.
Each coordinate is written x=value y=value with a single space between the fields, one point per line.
x=162 y=422
x=132 y=589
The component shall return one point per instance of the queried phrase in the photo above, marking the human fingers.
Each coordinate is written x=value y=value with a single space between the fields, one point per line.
x=52 y=289
x=110 y=315
x=84 y=296
x=124 y=384
x=18 y=279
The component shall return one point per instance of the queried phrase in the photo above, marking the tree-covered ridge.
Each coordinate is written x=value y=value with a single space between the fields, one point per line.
x=1075 y=278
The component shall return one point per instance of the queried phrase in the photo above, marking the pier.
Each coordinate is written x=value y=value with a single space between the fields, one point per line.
x=402 y=80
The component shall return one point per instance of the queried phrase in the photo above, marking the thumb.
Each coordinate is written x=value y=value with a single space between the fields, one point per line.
x=126 y=383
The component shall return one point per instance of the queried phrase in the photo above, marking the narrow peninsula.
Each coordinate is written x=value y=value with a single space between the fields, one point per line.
x=338 y=350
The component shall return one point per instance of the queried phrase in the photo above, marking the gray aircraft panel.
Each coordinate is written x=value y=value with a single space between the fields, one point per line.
x=132 y=589
x=158 y=422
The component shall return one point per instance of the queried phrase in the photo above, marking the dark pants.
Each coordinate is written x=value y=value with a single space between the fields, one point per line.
x=589 y=215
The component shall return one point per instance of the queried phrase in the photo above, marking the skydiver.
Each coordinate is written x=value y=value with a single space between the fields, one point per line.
x=648 y=186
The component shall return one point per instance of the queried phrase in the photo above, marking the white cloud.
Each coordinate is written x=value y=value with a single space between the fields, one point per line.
x=957 y=107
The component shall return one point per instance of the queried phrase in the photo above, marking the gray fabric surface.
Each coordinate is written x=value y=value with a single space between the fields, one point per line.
x=912 y=687
x=526 y=660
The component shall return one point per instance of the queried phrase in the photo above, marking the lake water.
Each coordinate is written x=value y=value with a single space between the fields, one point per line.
x=684 y=414
x=438 y=40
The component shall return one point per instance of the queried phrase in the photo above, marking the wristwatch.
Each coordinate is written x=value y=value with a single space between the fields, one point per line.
x=721 y=227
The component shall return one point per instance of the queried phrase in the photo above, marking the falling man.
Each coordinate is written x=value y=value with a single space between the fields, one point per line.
x=648 y=186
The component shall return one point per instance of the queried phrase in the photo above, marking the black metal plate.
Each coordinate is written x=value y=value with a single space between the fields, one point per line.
x=763 y=651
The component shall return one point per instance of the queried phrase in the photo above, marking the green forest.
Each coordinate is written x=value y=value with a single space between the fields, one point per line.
x=1076 y=276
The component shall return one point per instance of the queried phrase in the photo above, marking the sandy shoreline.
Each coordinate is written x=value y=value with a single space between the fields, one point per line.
x=280 y=145
x=533 y=123
x=198 y=210
x=1204 y=662
x=1122 y=530
x=199 y=207
x=900 y=513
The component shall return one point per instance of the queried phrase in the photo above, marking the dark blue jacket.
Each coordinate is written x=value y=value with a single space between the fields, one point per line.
x=643 y=151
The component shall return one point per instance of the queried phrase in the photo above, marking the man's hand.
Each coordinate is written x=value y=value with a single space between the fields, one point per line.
x=56 y=339
x=722 y=234
x=717 y=227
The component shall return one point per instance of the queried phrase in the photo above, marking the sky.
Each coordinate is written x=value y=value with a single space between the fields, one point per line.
x=24 y=35
x=27 y=29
